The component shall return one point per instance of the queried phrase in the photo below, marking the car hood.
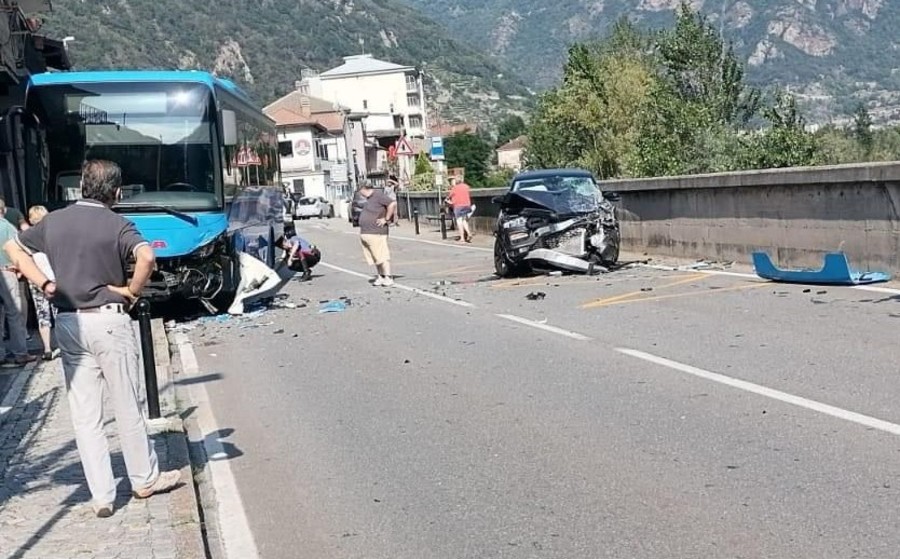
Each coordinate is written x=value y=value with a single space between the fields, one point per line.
x=566 y=202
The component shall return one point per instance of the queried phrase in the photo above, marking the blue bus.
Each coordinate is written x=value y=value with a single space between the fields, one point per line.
x=199 y=161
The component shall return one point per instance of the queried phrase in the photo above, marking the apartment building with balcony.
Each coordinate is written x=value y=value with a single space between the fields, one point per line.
x=389 y=98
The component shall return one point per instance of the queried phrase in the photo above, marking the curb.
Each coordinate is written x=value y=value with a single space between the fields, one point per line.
x=15 y=390
x=226 y=527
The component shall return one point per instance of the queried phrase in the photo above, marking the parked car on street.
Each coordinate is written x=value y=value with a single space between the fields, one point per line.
x=313 y=206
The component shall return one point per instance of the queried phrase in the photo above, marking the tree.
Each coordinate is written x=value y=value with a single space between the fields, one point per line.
x=862 y=129
x=785 y=143
x=471 y=152
x=510 y=128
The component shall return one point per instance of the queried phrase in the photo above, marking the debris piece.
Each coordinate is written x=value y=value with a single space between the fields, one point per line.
x=646 y=289
x=536 y=296
x=555 y=273
x=284 y=305
x=279 y=331
x=406 y=361
x=823 y=292
x=835 y=271
x=807 y=290
x=332 y=306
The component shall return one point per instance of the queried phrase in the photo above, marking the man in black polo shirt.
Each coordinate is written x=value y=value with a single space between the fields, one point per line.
x=88 y=246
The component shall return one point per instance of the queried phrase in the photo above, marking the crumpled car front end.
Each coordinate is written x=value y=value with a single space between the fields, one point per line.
x=547 y=230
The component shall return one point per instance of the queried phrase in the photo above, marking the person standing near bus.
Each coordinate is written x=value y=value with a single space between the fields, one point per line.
x=374 y=221
x=42 y=307
x=88 y=246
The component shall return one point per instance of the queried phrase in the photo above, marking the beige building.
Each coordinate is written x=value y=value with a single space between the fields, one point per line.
x=389 y=98
x=320 y=145
x=509 y=155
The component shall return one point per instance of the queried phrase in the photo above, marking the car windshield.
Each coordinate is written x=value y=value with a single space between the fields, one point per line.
x=307 y=201
x=160 y=134
x=561 y=193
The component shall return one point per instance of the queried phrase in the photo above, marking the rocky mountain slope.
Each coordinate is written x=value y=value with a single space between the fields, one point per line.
x=264 y=45
x=834 y=53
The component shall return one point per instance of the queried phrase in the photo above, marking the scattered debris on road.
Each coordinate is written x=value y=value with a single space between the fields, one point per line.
x=835 y=271
x=536 y=296
x=333 y=306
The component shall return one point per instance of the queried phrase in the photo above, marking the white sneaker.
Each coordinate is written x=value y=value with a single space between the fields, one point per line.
x=379 y=282
x=387 y=282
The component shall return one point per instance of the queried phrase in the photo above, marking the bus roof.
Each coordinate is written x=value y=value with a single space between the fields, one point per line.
x=124 y=76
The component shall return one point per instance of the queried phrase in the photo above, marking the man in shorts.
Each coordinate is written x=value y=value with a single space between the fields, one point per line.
x=377 y=213
x=460 y=197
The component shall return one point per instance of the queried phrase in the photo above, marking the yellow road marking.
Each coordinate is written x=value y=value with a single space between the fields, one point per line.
x=608 y=300
x=675 y=295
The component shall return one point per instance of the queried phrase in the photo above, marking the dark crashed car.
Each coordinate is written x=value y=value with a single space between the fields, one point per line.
x=555 y=219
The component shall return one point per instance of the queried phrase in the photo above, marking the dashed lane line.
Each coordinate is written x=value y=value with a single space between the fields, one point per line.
x=422 y=292
x=799 y=401
x=544 y=327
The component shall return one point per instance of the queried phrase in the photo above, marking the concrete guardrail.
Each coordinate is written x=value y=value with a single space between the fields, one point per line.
x=795 y=214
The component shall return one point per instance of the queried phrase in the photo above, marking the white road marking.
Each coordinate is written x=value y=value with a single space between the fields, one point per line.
x=234 y=528
x=545 y=327
x=846 y=415
x=442 y=244
x=417 y=291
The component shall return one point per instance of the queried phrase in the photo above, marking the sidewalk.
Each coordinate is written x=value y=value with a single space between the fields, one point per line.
x=45 y=509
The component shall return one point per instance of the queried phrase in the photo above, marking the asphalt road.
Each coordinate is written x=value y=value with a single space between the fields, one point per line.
x=641 y=414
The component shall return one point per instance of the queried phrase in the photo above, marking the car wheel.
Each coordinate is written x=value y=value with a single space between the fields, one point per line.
x=502 y=266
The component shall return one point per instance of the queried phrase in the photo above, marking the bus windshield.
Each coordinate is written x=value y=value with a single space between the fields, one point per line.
x=160 y=134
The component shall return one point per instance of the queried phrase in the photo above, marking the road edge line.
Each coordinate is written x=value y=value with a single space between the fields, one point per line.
x=544 y=327
x=233 y=526
x=771 y=393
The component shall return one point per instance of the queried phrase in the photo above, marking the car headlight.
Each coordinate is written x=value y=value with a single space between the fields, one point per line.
x=518 y=236
x=208 y=249
x=517 y=222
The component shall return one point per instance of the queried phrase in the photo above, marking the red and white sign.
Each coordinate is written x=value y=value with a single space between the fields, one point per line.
x=302 y=147
x=404 y=147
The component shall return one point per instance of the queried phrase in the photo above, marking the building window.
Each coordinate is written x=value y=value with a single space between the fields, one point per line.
x=304 y=89
x=398 y=121
x=321 y=150
x=411 y=83
x=285 y=149
x=412 y=99
x=415 y=122
x=365 y=105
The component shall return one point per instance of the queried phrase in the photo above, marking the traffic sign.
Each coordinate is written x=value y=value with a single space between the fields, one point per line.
x=403 y=147
x=437 y=148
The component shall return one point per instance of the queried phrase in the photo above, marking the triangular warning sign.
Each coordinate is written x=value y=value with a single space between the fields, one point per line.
x=403 y=147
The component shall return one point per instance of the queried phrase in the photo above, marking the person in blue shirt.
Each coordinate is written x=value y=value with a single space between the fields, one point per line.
x=300 y=255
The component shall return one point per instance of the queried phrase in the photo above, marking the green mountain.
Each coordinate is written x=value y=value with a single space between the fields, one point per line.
x=264 y=45
x=832 y=53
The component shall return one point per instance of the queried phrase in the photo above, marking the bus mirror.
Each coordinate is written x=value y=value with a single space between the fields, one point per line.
x=229 y=128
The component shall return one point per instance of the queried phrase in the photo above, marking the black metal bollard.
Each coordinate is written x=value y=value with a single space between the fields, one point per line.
x=443 y=225
x=143 y=308
x=416 y=220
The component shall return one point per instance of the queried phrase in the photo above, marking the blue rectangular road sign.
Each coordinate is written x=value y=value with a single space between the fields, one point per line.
x=437 y=148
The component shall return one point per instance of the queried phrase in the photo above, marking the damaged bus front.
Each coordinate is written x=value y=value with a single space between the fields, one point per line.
x=556 y=219
x=199 y=169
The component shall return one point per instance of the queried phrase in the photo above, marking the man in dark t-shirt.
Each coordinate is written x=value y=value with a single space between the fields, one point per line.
x=377 y=213
x=88 y=246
